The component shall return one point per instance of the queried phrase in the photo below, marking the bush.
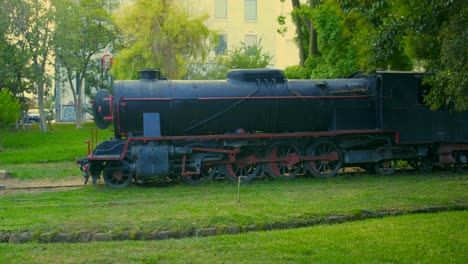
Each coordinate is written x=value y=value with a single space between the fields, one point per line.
x=9 y=108
x=297 y=72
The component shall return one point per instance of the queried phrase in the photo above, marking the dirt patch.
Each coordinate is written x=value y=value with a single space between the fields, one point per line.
x=5 y=184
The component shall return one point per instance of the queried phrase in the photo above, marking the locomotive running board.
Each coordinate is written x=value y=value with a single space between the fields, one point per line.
x=244 y=136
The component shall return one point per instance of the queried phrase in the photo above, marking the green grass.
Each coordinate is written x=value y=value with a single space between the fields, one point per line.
x=434 y=238
x=35 y=155
x=64 y=143
x=420 y=238
x=49 y=170
x=183 y=207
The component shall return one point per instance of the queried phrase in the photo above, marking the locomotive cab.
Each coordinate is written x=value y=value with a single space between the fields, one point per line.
x=401 y=108
x=404 y=109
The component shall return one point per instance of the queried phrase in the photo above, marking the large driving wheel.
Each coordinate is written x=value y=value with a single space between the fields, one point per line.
x=116 y=176
x=329 y=159
x=288 y=168
x=241 y=168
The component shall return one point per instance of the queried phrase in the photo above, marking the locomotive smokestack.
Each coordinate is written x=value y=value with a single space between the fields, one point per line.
x=150 y=74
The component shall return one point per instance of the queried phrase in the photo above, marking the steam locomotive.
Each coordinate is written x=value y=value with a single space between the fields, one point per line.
x=258 y=123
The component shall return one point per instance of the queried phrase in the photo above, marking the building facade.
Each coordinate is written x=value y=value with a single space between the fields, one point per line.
x=250 y=21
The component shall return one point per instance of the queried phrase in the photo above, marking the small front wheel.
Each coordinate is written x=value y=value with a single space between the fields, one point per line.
x=116 y=175
x=386 y=167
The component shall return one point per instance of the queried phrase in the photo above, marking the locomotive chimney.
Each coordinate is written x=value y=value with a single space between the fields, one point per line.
x=150 y=74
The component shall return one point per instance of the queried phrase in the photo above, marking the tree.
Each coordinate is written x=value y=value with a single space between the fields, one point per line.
x=339 y=54
x=83 y=29
x=160 y=34
x=427 y=36
x=14 y=61
x=436 y=36
x=246 y=57
x=29 y=32
x=241 y=57
x=9 y=108
x=305 y=28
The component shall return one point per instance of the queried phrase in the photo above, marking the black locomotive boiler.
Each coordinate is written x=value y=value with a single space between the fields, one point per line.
x=259 y=123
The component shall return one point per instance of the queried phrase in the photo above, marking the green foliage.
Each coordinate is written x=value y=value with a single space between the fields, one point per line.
x=211 y=70
x=241 y=57
x=297 y=72
x=387 y=48
x=160 y=34
x=9 y=108
x=96 y=79
x=83 y=29
x=391 y=35
x=282 y=22
x=438 y=37
x=15 y=73
x=339 y=50
x=247 y=57
x=339 y=57
x=29 y=31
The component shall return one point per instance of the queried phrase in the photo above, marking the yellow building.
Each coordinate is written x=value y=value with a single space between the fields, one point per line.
x=249 y=21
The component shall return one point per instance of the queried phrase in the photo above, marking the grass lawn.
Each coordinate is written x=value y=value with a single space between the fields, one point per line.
x=183 y=207
x=430 y=238
x=34 y=154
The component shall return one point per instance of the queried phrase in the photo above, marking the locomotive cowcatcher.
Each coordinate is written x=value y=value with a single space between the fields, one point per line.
x=257 y=123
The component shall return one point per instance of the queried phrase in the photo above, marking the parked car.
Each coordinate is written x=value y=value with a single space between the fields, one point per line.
x=33 y=116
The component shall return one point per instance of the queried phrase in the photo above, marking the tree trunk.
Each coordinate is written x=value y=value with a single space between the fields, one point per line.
x=74 y=93
x=78 y=99
x=313 y=47
x=300 y=39
x=40 y=104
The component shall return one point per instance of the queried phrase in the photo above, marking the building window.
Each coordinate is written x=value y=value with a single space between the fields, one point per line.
x=250 y=9
x=250 y=42
x=220 y=9
x=222 y=44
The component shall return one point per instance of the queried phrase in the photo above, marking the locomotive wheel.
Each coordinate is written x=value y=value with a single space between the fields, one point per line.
x=422 y=164
x=235 y=170
x=194 y=179
x=327 y=167
x=283 y=169
x=215 y=172
x=208 y=172
x=205 y=174
x=386 y=167
x=458 y=165
x=240 y=167
x=116 y=176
